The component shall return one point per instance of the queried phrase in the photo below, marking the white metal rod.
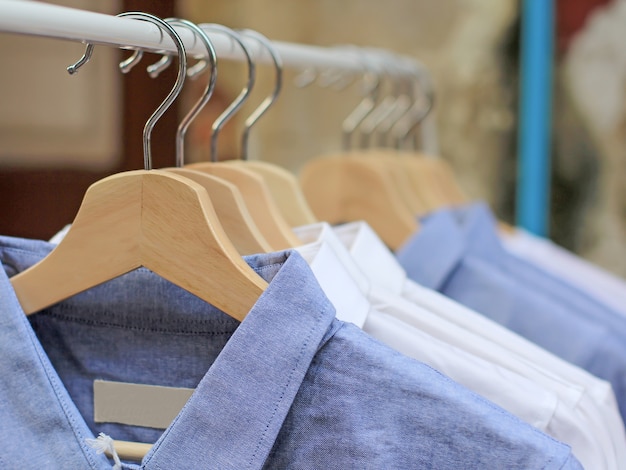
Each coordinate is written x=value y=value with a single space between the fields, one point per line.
x=53 y=21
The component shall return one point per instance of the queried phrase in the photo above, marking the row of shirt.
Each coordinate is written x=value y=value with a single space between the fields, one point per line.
x=452 y=353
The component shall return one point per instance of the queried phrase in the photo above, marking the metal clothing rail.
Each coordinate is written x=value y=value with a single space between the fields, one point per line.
x=53 y=21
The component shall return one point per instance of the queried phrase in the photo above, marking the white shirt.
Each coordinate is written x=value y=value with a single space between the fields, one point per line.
x=596 y=401
x=557 y=415
x=605 y=287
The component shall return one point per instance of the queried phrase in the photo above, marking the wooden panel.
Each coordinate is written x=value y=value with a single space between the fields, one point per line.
x=37 y=203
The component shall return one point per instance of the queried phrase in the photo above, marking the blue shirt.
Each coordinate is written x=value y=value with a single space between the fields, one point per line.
x=459 y=255
x=289 y=387
x=479 y=224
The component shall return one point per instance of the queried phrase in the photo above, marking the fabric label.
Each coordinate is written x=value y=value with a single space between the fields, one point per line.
x=152 y=406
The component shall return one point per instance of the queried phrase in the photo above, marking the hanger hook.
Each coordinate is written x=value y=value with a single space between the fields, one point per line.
x=72 y=69
x=127 y=64
x=174 y=92
x=269 y=100
x=402 y=101
x=381 y=109
x=371 y=84
x=423 y=103
x=192 y=71
x=154 y=70
x=243 y=95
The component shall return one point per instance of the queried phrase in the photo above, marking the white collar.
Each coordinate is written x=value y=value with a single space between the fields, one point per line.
x=372 y=256
x=340 y=278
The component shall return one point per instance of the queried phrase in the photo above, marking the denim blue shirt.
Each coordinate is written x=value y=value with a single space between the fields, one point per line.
x=289 y=387
x=483 y=241
x=460 y=255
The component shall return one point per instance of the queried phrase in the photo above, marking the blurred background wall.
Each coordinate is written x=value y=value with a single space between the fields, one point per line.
x=471 y=48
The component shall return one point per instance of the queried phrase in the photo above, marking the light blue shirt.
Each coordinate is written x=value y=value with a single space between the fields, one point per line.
x=460 y=255
x=289 y=387
x=477 y=221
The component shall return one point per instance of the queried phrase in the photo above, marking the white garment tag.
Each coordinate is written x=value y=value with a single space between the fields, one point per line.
x=151 y=406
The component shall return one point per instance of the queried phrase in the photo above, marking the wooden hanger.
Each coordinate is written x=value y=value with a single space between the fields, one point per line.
x=285 y=190
x=231 y=211
x=282 y=184
x=347 y=187
x=258 y=199
x=255 y=193
x=149 y=218
x=154 y=219
x=355 y=186
x=226 y=197
x=412 y=195
x=431 y=177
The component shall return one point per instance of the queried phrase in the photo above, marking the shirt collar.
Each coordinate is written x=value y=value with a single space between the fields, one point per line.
x=372 y=256
x=432 y=253
x=480 y=231
x=335 y=270
x=59 y=418
x=239 y=406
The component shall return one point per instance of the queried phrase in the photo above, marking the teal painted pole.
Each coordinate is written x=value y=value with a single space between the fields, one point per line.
x=535 y=121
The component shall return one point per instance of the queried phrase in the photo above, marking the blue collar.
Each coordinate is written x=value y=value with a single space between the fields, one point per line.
x=480 y=232
x=239 y=405
x=433 y=252
x=445 y=238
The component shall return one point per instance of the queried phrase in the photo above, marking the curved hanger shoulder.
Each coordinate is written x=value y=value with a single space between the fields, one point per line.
x=258 y=200
x=144 y=218
x=348 y=187
x=231 y=211
x=285 y=190
x=433 y=179
x=399 y=173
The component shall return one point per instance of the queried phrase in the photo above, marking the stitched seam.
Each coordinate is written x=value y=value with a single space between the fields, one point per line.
x=79 y=436
x=25 y=250
x=286 y=386
x=135 y=328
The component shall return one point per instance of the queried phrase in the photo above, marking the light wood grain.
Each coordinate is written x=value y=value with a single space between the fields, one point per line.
x=434 y=180
x=231 y=211
x=134 y=451
x=285 y=189
x=345 y=187
x=259 y=201
x=397 y=169
x=144 y=218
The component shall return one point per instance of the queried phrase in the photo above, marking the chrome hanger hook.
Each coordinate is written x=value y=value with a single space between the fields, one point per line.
x=127 y=64
x=181 y=131
x=403 y=92
x=174 y=92
x=386 y=108
x=423 y=103
x=154 y=70
x=306 y=77
x=371 y=84
x=243 y=95
x=269 y=100
x=72 y=69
